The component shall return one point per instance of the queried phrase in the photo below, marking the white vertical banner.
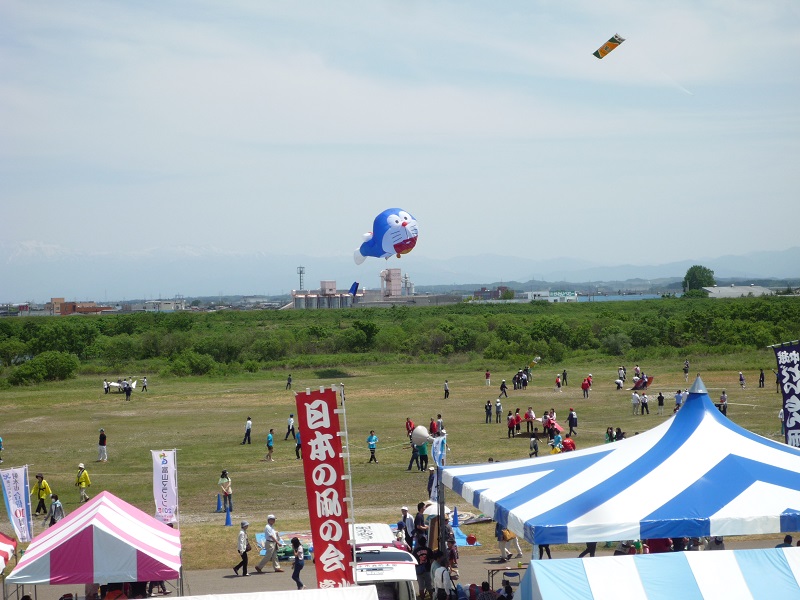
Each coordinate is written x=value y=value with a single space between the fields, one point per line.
x=439 y=450
x=17 y=498
x=165 y=485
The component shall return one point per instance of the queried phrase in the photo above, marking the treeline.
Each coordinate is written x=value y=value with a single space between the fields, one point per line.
x=43 y=348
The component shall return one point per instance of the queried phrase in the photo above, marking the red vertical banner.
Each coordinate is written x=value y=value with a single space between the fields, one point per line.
x=323 y=468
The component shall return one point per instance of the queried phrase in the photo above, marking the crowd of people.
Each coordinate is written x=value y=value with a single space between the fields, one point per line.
x=414 y=532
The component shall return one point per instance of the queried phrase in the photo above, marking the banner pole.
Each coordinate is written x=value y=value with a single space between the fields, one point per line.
x=351 y=520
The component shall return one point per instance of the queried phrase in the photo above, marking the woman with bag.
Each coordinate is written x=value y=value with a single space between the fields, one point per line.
x=243 y=547
x=445 y=588
x=56 y=512
x=502 y=543
x=512 y=541
x=299 y=562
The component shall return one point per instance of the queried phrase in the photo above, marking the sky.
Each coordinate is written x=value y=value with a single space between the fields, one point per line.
x=275 y=128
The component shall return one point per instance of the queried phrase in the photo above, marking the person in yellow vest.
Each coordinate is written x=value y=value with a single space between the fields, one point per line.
x=82 y=481
x=40 y=491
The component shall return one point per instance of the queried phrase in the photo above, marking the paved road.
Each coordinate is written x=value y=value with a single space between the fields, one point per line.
x=473 y=566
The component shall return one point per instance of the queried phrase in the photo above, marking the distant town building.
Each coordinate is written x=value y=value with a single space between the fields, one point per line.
x=164 y=305
x=486 y=294
x=327 y=296
x=54 y=306
x=550 y=296
x=83 y=308
x=737 y=291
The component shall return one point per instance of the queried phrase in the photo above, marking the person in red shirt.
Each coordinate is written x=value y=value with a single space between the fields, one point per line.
x=409 y=427
x=567 y=444
x=585 y=387
x=518 y=421
x=434 y=427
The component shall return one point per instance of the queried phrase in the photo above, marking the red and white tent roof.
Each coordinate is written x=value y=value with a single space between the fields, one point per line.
x=7 y=547
x=105 y=540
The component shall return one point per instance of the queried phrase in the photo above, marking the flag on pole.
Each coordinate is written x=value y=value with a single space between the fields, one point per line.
x=17 y=498
x=788 y=377
x=439 y=450
x=165 y=485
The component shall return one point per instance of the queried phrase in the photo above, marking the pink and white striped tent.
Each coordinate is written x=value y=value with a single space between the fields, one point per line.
x=7 y=547
x=105 y=540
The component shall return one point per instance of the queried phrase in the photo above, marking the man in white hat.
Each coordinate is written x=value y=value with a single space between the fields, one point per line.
x=272 y=541
x=408 y=521
x=82 y=481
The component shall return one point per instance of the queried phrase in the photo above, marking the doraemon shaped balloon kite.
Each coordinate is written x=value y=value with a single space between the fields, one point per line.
x=394 y=231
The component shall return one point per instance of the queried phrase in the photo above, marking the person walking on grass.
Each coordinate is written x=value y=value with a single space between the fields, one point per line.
x=41 y=491
x=372 y=444
x=102 y=447
x=289 y=382
x=289 y=427
x=144 y=384
x=270 y=445
x=572 y=421
x=56 y=512
x=248 y=425
x=423 y=455
x=534 y=444
x=446 y=390
x=503 y=390
x=82 y=482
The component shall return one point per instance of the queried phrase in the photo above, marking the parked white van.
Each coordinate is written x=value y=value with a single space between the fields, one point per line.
x=380 y=563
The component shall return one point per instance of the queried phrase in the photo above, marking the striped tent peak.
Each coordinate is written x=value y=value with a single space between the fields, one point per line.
x=697 y=470
x=117 y=518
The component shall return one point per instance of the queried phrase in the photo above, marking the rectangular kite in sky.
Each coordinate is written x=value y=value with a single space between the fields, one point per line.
x=615 y=41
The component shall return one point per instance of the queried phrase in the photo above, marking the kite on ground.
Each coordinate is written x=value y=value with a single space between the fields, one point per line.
x=615 y=41
x=394 y=231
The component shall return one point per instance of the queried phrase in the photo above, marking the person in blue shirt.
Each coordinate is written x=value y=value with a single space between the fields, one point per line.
x=372 y=443
x=298 y=445
x=270 y=444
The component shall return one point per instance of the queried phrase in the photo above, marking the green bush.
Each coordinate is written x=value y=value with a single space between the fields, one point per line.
x=28 y=373
x=47 y=366
x=190 y=362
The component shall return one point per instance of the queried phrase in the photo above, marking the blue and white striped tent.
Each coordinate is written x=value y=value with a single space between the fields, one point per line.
x=724 y=575
x=697 y=474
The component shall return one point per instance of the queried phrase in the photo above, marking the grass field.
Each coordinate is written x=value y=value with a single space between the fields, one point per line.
x=53 y=427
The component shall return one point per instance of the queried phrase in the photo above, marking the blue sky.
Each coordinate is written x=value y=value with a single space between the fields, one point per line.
x=239 y=127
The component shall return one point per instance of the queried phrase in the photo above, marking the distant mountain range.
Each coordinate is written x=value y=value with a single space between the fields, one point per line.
x=37 y=273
